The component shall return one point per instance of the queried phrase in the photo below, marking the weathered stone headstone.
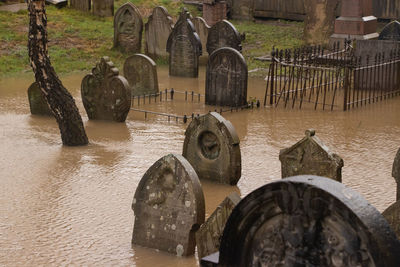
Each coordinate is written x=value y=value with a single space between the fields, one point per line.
x=396 y=172
x=169 y=207
x=212 y=147
x=226 y=78
x=223 y=34
x=128 y=28
x=184 y=48
x=37 y=102
x=202 y=30
x=209 y=235
x=103 y=8
x=214 y=11
x=141 y=73
x=158 y=28
x=391 y=31
x=392 y=215
x=105 y=94
x=310 y=156
x=82 y=5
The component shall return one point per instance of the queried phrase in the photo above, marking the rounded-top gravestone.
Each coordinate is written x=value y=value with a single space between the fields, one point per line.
x=37 y=103
x=223 y=34
x=202 y=30
x=391 y=31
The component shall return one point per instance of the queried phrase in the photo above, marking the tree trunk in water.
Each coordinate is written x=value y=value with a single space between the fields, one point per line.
x=59 y=99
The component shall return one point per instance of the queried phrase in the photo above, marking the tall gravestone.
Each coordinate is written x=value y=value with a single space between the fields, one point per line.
x=105 y=94
x=158 y=28
x=212 y=147
x=128 y=28
x=184 y=48
x=310 y=156
x=37 y=102
x=223 y=34
x=391 y=31
x=226 y=78
x=141 y=73
x=396 y=172
x=103 y=8
x=169 y=207
x=82 y=5
x=202 y=30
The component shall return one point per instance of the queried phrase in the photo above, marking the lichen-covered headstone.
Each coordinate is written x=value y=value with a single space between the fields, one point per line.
x=158 y=28
x=212 y=147
x=128 y=28
x=310 y=156
x=226 y=78
x=105 y=94
x=392 y=215
x=202 y=30
x=141 y=73
x=82 y=5
x=396 y=172
x=37 y=102
x=391 y=31
x=184 y=48
x=223 y=34
x=169 y=207
x=208 y=237
x=103 y=8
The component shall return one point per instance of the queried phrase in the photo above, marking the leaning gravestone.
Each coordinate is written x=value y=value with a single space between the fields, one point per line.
x=310 y=156
x=396 y=172
x=202 y=30
x=128 y=28
x=223 y=34
x=105 y=94
x=391 y=31
x=158 y=28
x=103 y=8
x=226 y=78
x=82 y=5
x=169 y=207
x=141 y=73
x=184 y=48
x=212 y=147
x=37 y=102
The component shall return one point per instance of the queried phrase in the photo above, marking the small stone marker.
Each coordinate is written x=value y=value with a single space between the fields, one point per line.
x=169 y=207
x=128 y=28
x=226 y=78
x=103 y=8
x=212 y=147
x=184 y=48
x=209 y=235
x=202 y=30
x=105 y=94
x=391 y=31
x=396 y=172
x=223 y=34
x=158 y=28
x=310 y=156
x=82 y=5
x=392 y=215
x=141 y=73
x=37 y=102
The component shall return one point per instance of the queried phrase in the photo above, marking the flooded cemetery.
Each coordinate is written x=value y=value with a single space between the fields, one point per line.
x=196 y=162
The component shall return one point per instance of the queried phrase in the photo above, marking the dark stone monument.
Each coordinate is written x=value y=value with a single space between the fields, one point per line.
x=169 y=207
x=37 y=102
x=223 y=34
x=128 y=28
x=103 y=8
x=212 y=147
x=105 y=94
x=184 y=48
x=158 y=28
x=141 y=73
x=391 y=31
x=307 y=221
x=226 y=78
x=214 y=11
x=396 y=173
x=392 y=215
x=82 y=5
x=202 y=30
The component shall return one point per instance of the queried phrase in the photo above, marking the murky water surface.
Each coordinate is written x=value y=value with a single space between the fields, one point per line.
x=72 y=206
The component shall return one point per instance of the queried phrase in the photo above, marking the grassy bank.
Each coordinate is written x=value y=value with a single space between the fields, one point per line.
x=77 y=40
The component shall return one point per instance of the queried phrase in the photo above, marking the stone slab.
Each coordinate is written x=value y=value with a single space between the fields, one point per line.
x=103 y=8
x=82 y=5
x=202 y=30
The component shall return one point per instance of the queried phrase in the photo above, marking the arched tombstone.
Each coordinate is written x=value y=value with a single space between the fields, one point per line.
x=184 y=48
x=212 y=147
x=82 y=5
x=103 y=8
x=396 y=173
x=391 y=31
x=141 y=73
x=226 y=78
x=202 y=30
x=169 y=207
x=105 y=94
x=223 y=34
x=37 y=102
x=307 y=221
x=158 y=28
x=128 y=28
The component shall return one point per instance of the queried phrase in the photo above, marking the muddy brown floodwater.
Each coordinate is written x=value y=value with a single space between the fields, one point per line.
x=72 y=206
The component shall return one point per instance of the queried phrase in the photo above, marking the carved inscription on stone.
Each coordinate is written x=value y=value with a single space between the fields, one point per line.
x=103 y=8
x=391 y=31
x=128 y=27
x=169 y=207
x=212 y=147
x=141 y=73
x=202 y=30
x=226 y=78
x=310 y=156
x=82 y=5
x=396 y=172
x=37 y=102
x=223 y=34
x=105 y=94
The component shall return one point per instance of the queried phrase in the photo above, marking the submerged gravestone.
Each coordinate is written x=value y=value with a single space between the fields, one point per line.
x=310 y=156
x=184 y=48
x=82 y=5
x=37 y=103
x=105 y=94
x=209 y=235
x=202 y=30
x=391 y=31
x=128 y=28
x=223 y=34
x=103 y=8
x=158 y=28
x=396 y=172
x=226 y=78
x=212 y=147
x=169 y=207
x=392 y=215
x=141 y=73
